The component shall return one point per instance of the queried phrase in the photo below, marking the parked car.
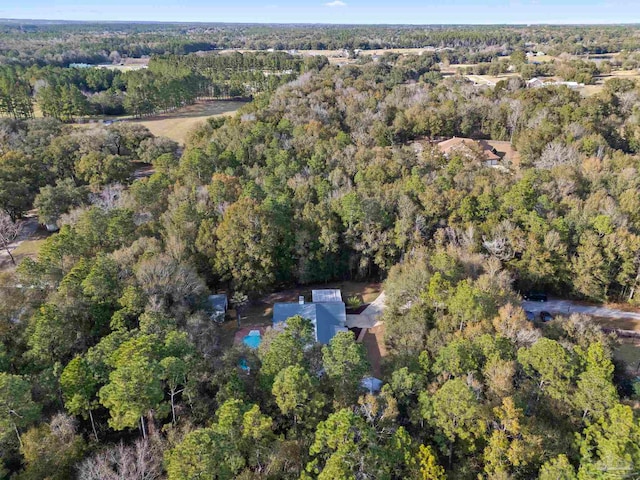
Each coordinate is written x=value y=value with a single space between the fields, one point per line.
x=545 y=316
x=535 y=296
x=530 y=315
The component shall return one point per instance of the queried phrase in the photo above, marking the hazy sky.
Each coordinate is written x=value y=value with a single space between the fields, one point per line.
x=331 y=11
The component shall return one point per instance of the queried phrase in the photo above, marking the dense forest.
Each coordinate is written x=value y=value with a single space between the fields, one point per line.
x=61 y=43
x=110 y=366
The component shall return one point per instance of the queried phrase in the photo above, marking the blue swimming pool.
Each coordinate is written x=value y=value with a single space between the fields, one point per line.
x=252 y=341
x=243 y=364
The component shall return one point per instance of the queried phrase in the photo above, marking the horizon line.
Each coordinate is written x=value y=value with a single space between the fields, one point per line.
x=201 y=22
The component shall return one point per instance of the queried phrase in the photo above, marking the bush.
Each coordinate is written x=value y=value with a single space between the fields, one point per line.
x=354 y=302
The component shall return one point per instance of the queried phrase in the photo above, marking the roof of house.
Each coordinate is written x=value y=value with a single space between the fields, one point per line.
x=218 y=302
x=505 y=150
x=328 y=295
x=457 y=143
x=488 y=150
x=327 y=318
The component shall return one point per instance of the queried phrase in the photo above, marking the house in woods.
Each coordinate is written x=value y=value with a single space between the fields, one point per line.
x=504 y=149
x=470 y=148
x=217 y=306
x=326 y=312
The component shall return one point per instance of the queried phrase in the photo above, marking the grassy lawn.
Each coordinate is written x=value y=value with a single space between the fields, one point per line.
x=178 y=124
x=589 y=90
x=27 y=249
x=488 y=79
x=542 y=59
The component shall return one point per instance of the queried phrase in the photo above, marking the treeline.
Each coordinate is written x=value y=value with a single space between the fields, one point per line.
x=174 y=81
x=15 y=95
x=272 y=62
x=62 y=93
x=170 y=82
x=60 y=44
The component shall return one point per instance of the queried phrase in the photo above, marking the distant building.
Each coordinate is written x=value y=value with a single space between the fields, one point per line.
x=217 y=306
x=327 y=313
x=537 y=83
x=571 y=85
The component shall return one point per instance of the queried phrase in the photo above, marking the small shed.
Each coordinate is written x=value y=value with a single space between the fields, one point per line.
x=372 y=384
x=217 y=306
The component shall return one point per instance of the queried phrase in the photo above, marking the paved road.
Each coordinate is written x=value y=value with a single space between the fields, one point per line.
x=567 y=307
x=370 y=316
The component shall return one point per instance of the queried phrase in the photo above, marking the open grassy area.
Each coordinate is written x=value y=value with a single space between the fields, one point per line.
x=26 y=249
x=589 y=90
x=454 y=68
x=490 y=79
x=127 y=64
x=178 y=124
x=541 y=59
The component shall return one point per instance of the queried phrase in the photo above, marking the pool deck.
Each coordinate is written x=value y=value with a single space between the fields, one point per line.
x=243 y=332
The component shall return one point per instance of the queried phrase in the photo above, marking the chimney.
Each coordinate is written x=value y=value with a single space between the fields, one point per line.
x=301 y=300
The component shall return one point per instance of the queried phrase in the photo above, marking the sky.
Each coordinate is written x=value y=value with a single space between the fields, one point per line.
x=331 y=11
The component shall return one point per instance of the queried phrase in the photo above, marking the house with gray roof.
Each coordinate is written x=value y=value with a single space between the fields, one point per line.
x=328 y=316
